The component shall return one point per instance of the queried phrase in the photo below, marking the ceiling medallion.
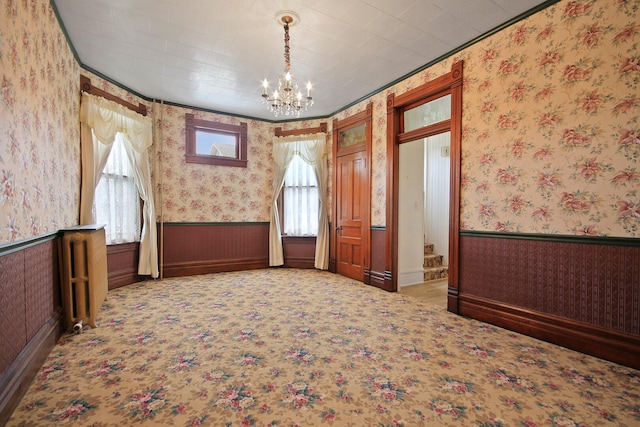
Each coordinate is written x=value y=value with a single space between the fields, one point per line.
x=286 y=100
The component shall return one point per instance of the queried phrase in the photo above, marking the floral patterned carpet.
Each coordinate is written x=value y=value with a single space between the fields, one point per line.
x=294 y=347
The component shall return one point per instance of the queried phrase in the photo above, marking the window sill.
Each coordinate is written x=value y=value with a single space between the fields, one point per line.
x=301 y=238
x=215 y=161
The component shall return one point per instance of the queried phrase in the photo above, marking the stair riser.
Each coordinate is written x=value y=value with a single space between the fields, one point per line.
x=432 y=261
x=436 y=273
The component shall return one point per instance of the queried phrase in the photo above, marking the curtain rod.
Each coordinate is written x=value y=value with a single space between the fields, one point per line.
x=322 y=128
x=86 y=86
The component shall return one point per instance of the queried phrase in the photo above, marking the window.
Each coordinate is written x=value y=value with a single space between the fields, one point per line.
x=117 y=203
x=215 y=143
x=300 y=200
x=428 y=113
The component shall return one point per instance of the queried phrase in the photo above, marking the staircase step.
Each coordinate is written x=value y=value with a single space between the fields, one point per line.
x=428 y=248
x=432 y=261
x=435 y=273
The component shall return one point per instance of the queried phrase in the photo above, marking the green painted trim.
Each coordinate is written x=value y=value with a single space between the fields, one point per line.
x=171 y=224
x=9 y=248
x=115 y=83
x=64 y=31
x=489 y=33
x=208 y=110
x=185 y=106
x=565 y=238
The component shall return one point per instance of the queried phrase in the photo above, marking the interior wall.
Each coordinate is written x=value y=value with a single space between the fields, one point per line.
x=437 y=189
x=191 y=192
x=549 y=142
x=39 y=134
x=411 y=214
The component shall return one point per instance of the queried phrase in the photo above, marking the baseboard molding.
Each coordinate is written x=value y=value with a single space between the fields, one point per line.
x=214 y=266
x=410 y=278
x=15 y=381
x=376 y=278
x=596 y=341
x=380 y=280
x=121 y=278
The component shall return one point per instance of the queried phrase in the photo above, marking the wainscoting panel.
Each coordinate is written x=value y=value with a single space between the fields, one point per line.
x=30 y=314
x=13 y=333
x=42 y=289
x=582 y=293
x=122 y=264
x=299 y=252
x=376 y=275
x=199 y=248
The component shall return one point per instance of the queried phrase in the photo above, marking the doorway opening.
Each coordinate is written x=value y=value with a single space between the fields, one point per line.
x=438 y=107
x=423 y=218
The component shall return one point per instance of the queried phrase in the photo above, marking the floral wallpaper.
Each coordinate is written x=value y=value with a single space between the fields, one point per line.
x=551 y=136
x=39 y=136
x=551 y=139
x=188 y=192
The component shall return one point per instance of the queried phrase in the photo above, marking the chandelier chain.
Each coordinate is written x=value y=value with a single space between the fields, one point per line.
x=287 y=54
x=287 y=100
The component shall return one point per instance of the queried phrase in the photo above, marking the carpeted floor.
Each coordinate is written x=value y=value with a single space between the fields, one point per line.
x=293 y=347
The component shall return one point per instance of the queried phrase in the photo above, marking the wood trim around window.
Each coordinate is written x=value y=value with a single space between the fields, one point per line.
x=239 y=131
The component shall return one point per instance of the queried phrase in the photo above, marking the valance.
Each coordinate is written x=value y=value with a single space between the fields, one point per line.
x=310 y=148
x=101 y=120
x=107 y=118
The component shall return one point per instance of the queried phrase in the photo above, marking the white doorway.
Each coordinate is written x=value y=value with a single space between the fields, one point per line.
x=423 y=210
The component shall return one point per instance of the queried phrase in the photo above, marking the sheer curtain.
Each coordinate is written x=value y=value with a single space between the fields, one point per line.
x=117 y=202
x=101 y=120
x=312 y=149
x=300 y=196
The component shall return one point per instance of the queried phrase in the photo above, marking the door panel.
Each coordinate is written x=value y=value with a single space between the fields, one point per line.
x=351 y=174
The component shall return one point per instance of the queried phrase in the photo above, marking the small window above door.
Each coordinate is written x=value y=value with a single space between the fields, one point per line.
x=428 y=113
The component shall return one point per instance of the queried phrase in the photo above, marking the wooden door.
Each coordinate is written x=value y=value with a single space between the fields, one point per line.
x=351 y=177
x=350 y=243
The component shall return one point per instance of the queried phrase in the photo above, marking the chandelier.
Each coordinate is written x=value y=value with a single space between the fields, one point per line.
x=286 y=100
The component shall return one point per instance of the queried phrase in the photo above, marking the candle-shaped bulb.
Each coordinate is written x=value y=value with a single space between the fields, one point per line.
x=265 y=86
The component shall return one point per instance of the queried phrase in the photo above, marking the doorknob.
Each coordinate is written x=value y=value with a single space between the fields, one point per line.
x=338 y=229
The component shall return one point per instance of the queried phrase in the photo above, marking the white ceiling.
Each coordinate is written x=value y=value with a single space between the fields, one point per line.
x=214 y=54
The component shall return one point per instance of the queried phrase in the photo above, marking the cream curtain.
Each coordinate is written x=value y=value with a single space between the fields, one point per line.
x=117 y=200
x=312 y=149
x=100 y=121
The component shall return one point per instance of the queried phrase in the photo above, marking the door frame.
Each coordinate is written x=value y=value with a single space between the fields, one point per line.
x=338 y=126
x=450 y=83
